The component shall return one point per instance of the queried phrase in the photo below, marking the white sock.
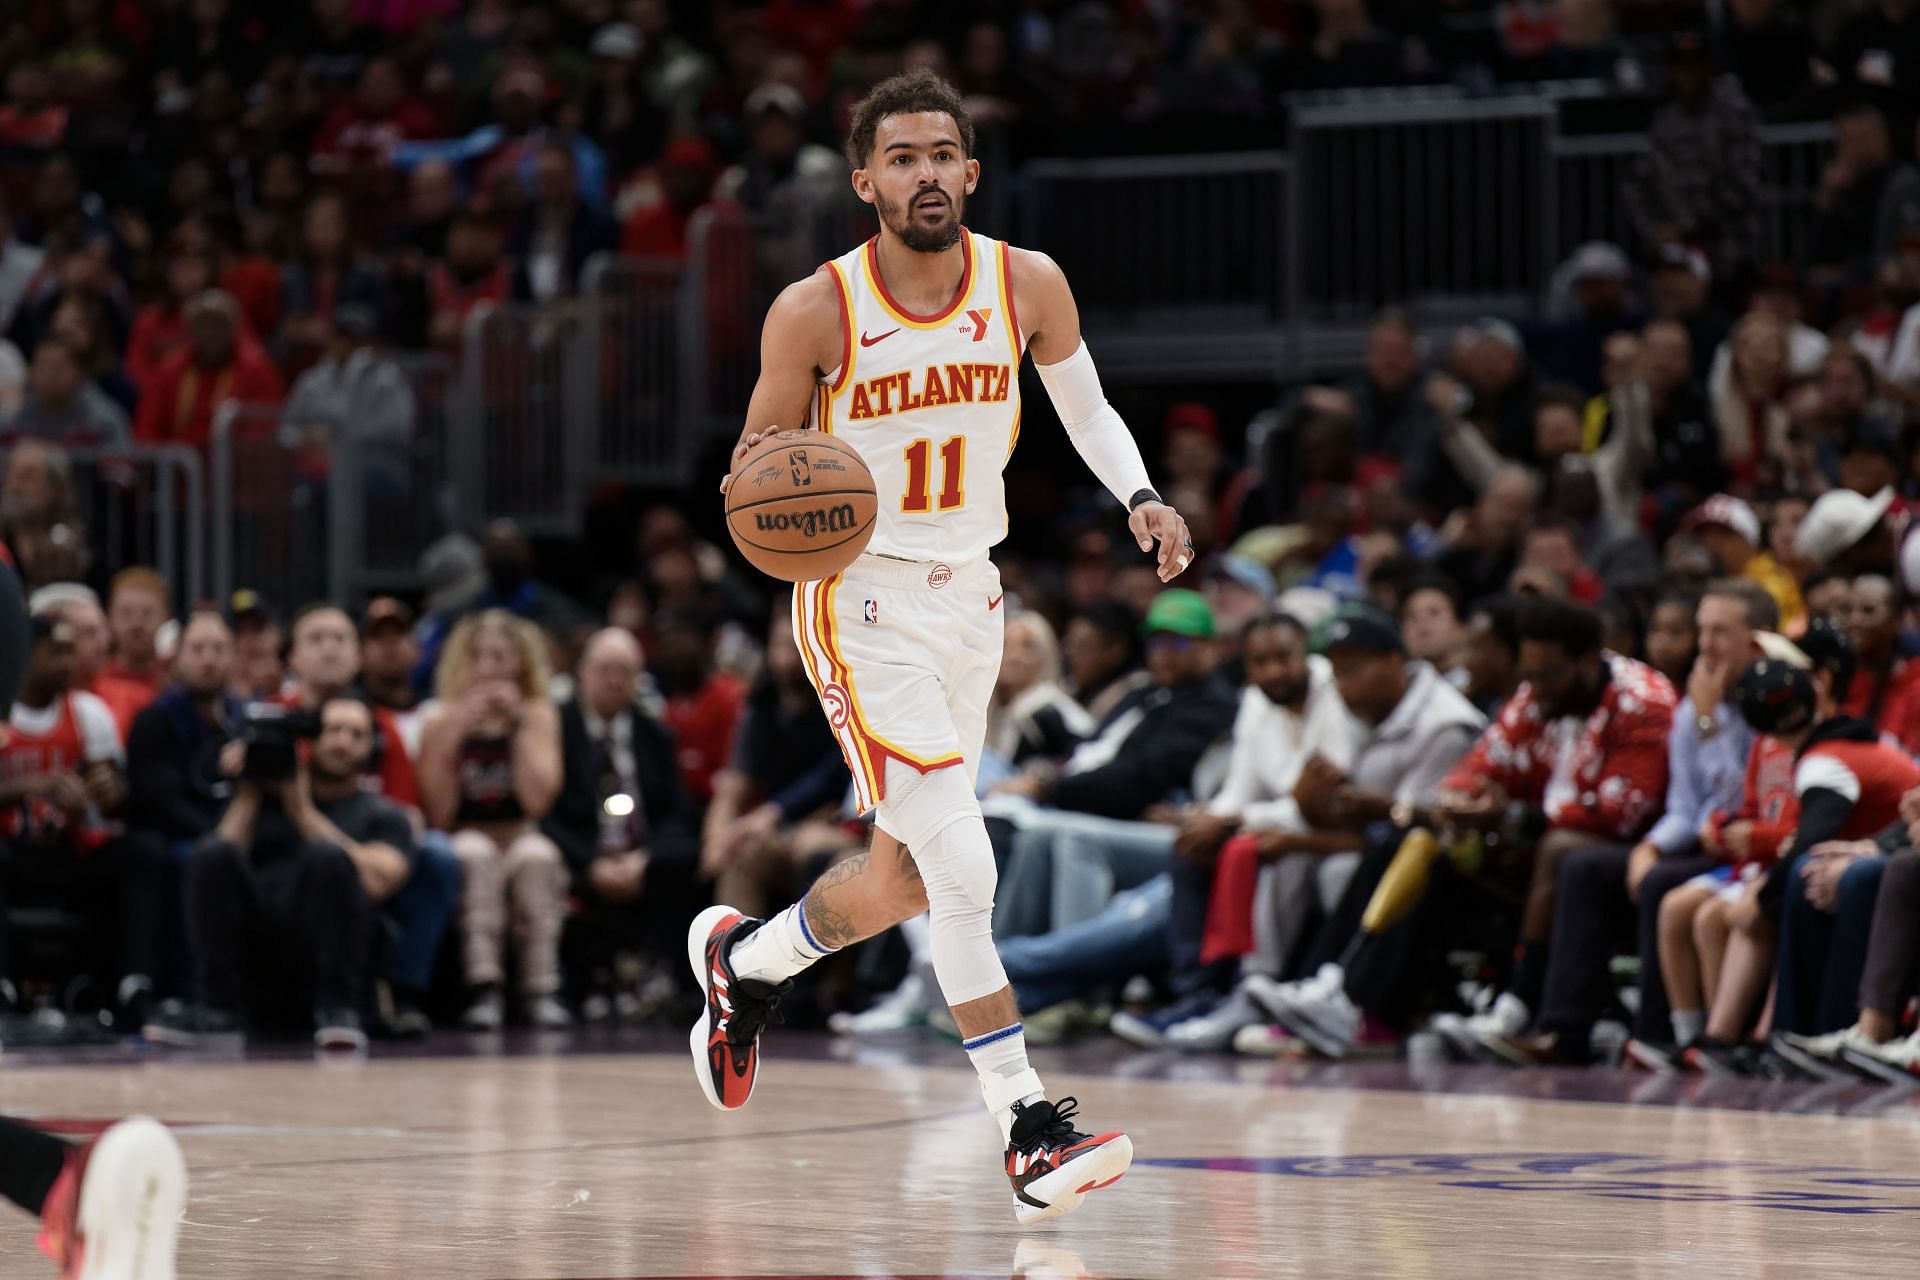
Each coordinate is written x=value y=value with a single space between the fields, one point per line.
x=1005 y=1078
x=778 y=949
x=1688 y=1024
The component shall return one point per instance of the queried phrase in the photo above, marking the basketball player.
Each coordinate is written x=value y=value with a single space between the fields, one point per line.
x=110 y=1207
x=909 y=347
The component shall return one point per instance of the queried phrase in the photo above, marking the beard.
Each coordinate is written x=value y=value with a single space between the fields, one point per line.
x=915 y=234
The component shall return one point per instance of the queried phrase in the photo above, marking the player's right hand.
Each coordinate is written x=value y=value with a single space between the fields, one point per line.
x=739 y=452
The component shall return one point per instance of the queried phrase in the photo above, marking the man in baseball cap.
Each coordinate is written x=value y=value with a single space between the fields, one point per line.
x=1730 y=531
x=1849 y=533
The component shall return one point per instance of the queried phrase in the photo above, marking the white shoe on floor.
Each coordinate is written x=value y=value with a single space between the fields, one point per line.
x=1321 y=1014
x=1895 y=1061
x=486 y=1013
x=1264 y=1040
x=548 y=1013
x=901 y=1009
x=1214 y=1031
x=122 y=1220
x=1471 y=1036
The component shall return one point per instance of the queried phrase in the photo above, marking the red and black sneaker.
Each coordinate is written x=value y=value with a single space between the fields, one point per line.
x=726 y=1040
x=114 y=1211
x=1053 y=1165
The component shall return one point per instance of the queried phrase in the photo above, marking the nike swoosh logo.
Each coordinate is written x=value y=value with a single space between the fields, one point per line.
x=995 y=602
x=865 y=341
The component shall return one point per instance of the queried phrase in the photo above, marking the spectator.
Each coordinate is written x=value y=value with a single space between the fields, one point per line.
x=1032 y=716
x=657 y=226
x=219 y=364
x=1672 y=640
x=1876 y=54
x=61 y=404
x=560 y=231
x=1053 y=880
x=622 y=819
x=160 y=328
x=703 y=704
x=1885 y=691
x=1391 y=414
x=62 y=786
x=259 y=660
x=1746 y=397
x=1599 y=281
x=1604 y=886
x=474 y=271
x=282 y=893
x=326 y=274
x=617 y=111
x=1492 y=660
x=1873 y=1040
x=357 y=389
x=176 y=786
x=1731 y=533
x=1848 y=534
x=1430 y=622
x=1482 y=543
x=136 y=610
x=388 y=652
x=1699 y=184
x=1601 y=774
x=777 y=800
x=357 y=138
x=1680 y=293
x=783 y=179
x=493 y=769
x=1866 y=201
x=1503 y=384
x=323 y=658
x=463 y=578
x=92 y=642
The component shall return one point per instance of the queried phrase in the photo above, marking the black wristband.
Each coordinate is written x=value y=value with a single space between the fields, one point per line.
x=1140 y=496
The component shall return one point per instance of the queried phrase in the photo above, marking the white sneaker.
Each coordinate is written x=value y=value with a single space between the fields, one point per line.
x=1826 y=1047
x=1214 y=1031
x=902 y=1008
x=486 y=1013
x=548 y=1013
x=1896 y=1061
x=1264 y=1040
x=126 y=1209
x=1326 y=1019
x=1508 y=1018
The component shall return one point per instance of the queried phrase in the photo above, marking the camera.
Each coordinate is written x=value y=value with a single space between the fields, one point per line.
x=273 y=734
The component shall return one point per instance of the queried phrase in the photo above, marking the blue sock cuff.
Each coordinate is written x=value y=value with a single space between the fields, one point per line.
x=800 y=914
x=981 y=1042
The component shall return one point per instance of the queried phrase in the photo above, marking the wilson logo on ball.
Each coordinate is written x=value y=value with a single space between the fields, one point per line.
x=808 y=524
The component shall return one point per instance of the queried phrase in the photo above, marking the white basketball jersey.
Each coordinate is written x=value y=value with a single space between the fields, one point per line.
x=931 y=402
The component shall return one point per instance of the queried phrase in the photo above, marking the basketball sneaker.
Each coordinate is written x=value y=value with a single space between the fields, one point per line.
x=114 y=1211
x=1895 y=1062
x=1053 y=1166
x=726 y=1039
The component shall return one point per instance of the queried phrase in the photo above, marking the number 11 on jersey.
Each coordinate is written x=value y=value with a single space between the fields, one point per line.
x=953 y=465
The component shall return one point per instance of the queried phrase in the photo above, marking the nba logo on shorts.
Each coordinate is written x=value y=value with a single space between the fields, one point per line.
x=871 y=612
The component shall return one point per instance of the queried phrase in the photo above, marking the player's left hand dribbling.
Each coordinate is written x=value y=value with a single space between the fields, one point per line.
x=1153 y=522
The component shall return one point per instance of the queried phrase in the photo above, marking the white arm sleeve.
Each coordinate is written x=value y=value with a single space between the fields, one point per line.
x=1097 y=433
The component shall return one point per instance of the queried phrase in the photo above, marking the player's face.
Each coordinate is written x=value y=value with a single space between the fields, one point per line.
x=918 y=178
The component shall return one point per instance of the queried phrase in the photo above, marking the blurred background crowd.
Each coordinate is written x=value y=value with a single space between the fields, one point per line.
x=366 y=365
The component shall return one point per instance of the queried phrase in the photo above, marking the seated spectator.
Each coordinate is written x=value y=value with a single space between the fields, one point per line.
x=80 y=608
x=1746 y=391
x=560 y=231
x=282 y=893
x=61 y=404
x=474 y=270
x=783 y=178
x=491 y=769
x=388 y=652
x=703 y=704
x=355 y=141
x=1885 y=691
x=62 y=790
x=1605 y=888
x=1849 y=785
x=1031 y=716
x=1101 y=656
x=1866 y=200
x=136 y=610
x=1578 y=752
x=1407 y=728
x=1480 y=545
x=328 y=273
x=160 y=328
x=1849 y=534
x=1730 y=531
x=1061 y=870
x=219 y=364
x=1673 y=636
x=1699 y=183
x=657 y=227
x=1391 y=413
x=356 y=389
x=1430 y=622
x=777 y=800
x=259 y=659
x=1551 y=563
x=1491 y=665
x=497 y=574
x=623 y=822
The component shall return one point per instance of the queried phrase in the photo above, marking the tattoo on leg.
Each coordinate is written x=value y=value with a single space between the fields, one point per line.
x=833 y=929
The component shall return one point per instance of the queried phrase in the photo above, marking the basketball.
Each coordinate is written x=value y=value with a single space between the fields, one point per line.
x=801 y=506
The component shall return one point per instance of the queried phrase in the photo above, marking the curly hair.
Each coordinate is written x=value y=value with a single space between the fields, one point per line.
x=454 y=673
x=905 y=94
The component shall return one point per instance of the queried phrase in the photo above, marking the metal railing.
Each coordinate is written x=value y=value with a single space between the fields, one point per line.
x=274 y=524
x=145 y=505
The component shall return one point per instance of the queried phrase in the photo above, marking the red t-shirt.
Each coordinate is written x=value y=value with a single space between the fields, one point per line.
x=125 y=698
x=704 y=722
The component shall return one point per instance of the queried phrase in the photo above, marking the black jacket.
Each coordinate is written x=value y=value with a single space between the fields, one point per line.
x=1172 y=729
x=174 y=784
x=574 y=822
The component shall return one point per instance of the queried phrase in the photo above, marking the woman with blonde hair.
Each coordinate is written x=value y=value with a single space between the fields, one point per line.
x=1032 y=716
x=490 y=769
x=1748 y=393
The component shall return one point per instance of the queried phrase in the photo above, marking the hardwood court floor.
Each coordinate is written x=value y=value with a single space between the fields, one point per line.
x=543 y=1165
